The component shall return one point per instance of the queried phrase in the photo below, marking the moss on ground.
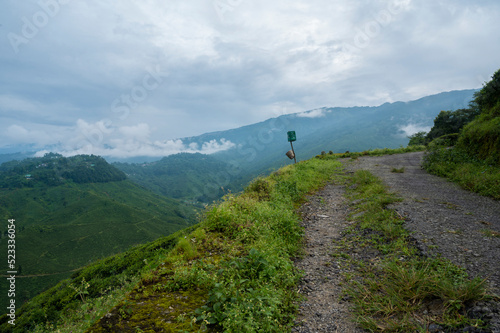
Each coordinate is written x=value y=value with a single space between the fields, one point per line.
x=156 y=312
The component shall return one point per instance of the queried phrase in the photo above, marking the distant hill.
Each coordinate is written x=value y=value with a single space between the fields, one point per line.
x=71 y=211
x=53 y=169
x=15 y=156
x=261 y=146
x=192 y=177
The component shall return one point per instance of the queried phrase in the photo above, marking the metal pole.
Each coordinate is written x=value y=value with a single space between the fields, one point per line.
x=293 y=152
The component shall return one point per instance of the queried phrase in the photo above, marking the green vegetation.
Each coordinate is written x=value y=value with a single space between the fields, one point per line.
x=474 y=162
x=64 y=226
x=233 y=272
x=401 y=291
x=417 y=139
x=54 y=169
x=194 y=177
x=450 y=122
x=73 y=304
x=396 y=170
x=470 y=173
x=374 y=152
x=446 y=127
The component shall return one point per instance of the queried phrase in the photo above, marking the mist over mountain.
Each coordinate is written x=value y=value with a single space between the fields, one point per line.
x=258 y=148
x=261 y=146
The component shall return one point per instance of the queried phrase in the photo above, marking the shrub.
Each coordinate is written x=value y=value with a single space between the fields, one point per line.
x=481 y=138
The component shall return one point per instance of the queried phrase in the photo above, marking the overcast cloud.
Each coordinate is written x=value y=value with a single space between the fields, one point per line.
x=125 y=78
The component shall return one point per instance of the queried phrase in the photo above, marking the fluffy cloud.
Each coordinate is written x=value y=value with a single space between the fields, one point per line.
x=224 y=67
x=125 y=142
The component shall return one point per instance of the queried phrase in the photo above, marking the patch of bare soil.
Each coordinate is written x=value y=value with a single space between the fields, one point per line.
x=324 y=309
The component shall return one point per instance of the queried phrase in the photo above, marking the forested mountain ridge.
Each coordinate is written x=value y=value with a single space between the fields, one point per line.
x=71 y=211
x=261 y=147
x=192 y=177
x=54 y=169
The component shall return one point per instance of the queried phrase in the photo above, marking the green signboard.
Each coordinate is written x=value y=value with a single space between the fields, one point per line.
x=291 y=136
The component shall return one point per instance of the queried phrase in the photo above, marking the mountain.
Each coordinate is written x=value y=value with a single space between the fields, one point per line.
x=262 y=146
x=190 y=177
x=71 y=211
x=15 y=156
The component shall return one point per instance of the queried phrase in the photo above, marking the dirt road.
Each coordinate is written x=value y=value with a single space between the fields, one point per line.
x=462 y=226
x=443 y=218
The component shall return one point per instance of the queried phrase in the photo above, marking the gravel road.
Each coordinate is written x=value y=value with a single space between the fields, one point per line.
x=462 y=226
x=443 y=219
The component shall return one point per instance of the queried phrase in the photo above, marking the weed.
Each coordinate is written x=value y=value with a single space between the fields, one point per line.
x=400 y=170
x=490 y=233
x=186 y=249
x=390 y=296
x=81 y=289
x=468 y=171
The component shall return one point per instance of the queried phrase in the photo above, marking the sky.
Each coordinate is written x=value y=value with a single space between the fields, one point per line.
x=127 y=78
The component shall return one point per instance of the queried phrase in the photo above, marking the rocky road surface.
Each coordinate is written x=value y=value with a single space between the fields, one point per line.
x=443 y=219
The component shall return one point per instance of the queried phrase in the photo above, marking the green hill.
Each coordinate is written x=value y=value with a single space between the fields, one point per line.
x=71 y=211
x=481 y=137
x=234 y=270
x=474 y=161
x=194 y=177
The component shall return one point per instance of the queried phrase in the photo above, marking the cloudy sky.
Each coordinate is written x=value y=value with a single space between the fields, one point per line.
x=127 y=78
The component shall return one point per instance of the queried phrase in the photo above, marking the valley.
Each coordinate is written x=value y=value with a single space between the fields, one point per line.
x=94 y=228
x=63 y=224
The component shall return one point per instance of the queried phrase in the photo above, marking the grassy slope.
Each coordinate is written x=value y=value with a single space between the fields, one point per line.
x=233 y=271
x=474 y=162
x=193 y=177
x=63 y=228
x=256 y=232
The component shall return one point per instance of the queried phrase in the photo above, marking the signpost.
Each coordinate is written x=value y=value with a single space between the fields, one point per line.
x=291 y=138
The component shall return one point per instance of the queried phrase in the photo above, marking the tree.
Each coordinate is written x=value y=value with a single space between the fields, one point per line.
x=450 y=122
x=489 y=96
x=417 y=139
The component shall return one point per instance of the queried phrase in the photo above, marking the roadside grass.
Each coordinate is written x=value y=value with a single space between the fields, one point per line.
x=231 y=272
x=234 y=272
x=470 y=173
x=383 y=151
x=401 y=291
x=74 y=304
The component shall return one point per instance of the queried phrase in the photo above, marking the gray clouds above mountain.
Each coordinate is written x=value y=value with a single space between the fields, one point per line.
x=175 y=69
